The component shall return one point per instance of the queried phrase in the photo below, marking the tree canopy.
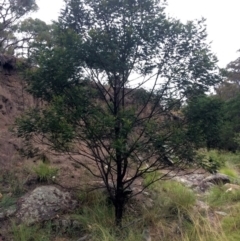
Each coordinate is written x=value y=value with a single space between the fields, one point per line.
x=12 y=13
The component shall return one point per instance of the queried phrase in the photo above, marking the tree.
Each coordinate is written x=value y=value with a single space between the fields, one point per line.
x=233 y=71
x=104 y=53
x=229 y=92
x=205 y=117
x=12 y=13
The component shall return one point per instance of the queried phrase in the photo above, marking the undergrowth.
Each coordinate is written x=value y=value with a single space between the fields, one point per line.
x=173 y=216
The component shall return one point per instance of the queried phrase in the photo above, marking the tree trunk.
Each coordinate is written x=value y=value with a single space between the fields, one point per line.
x=119 y=206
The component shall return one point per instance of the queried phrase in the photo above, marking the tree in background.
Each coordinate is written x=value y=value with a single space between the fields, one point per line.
x=233 y=71
x=205 y=116
x=103 y=54
x=12 y=13
x=229 y=92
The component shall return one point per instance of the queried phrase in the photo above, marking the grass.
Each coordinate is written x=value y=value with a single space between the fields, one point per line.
x=45 y=173
x=229 y=171
x=11 y=183
x=219 y=196
x=231 y=223
x=32 y=233
x=173 y=215
x=7 y=201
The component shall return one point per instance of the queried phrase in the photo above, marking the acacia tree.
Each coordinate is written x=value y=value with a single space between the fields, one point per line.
x=105 y=53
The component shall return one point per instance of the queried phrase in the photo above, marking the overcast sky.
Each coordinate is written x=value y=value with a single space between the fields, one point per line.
x=223 y=20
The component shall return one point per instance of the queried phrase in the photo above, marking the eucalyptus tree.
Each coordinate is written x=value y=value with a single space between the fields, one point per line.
x=109 y=79
x=12 y=13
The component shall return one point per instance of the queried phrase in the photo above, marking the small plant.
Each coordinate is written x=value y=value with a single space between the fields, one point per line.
x=212 y=160
x=45 y=172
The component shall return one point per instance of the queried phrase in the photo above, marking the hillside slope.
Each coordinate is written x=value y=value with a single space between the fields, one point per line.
x=13 y=101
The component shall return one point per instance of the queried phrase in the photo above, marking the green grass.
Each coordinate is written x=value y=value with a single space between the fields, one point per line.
x=218 y=196
x=45 y=172
x=7 y=201
x=229 y=171
x=231 y=223
x=32 y=233
x=172 y=217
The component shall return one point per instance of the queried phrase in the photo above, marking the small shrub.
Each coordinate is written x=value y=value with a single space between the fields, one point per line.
x=45 y=172
x=212 y=160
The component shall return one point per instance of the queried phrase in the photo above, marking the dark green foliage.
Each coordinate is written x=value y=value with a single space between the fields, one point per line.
x=231 y=128
x=205 y=117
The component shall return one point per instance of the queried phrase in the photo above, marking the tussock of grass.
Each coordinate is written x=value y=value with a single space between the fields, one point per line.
x=7 y=201
x=45 y=172
x=229 y=171
x=33 y=233
x=219 y=196
x=231 y=223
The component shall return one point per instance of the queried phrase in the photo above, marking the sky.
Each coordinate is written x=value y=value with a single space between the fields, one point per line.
x=222 y=20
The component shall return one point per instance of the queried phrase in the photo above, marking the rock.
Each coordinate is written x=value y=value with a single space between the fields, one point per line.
x=217 y=179
x=9 y=212
x=147 y=194
x=146 y=235
x=43 y=203
x=183 y=180
x=148 y=203
x=204 y=186
x=221 y=213
x=83 y=238
x=66 y=224
x=201 y=206
x=232 y=187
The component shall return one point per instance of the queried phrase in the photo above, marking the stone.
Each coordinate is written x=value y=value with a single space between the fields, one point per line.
x=146 y=235
x=183 y=181
x=201 y=206
x=148 y=203
x=9 y=212
x=232 y=187
x=217 y=179
x=221 y=213
x=83 y=238
x=42 y=204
